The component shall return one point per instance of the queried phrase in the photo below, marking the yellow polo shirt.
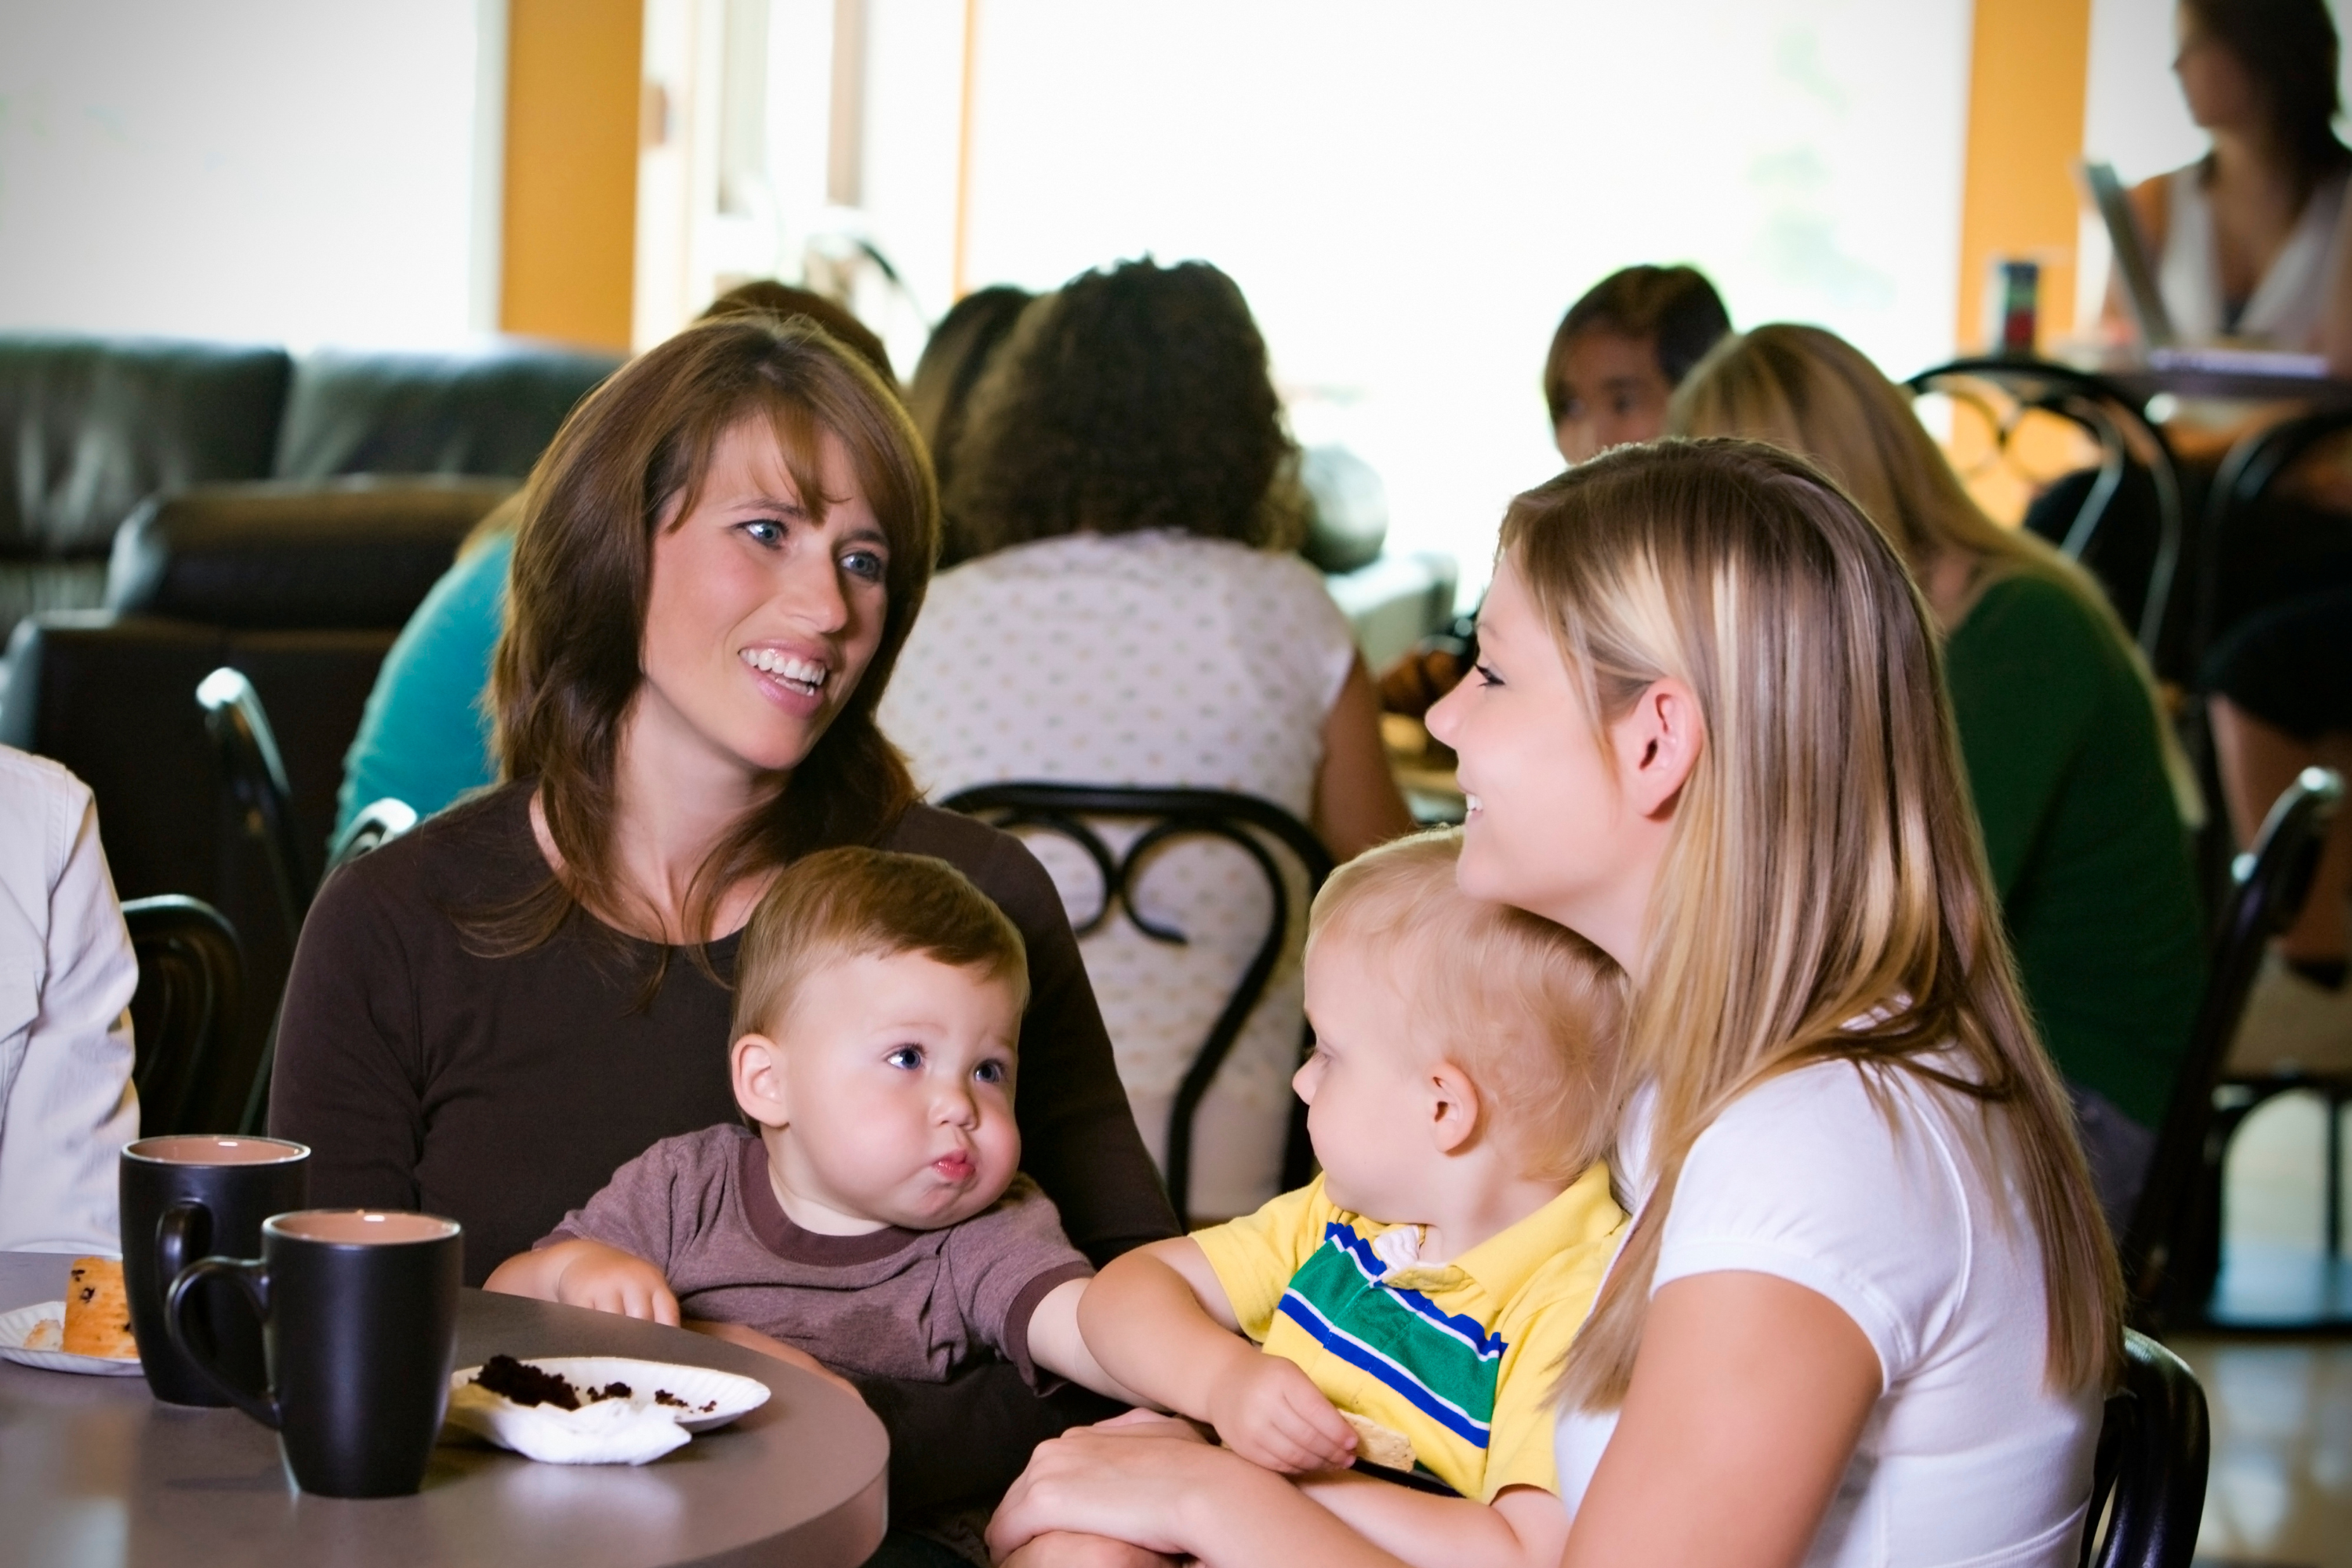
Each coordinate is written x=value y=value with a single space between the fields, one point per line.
x=1459 y=1357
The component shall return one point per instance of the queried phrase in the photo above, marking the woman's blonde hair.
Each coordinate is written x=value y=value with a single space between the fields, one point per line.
x=1812 y=391
x=1530 y=1010
x=1822 y=895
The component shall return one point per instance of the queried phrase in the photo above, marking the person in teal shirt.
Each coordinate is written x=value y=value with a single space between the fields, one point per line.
x=2084 y=798
x=425 y=737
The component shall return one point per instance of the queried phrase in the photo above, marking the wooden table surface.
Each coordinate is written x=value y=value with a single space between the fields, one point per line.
x=94 y=1471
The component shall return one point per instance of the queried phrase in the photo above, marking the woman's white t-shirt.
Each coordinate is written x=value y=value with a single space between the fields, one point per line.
x=1153 y=658
x=1879 y=1205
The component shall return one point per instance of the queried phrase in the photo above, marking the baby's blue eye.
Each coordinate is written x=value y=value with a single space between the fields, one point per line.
x=867 y=564
x=764 y=531
x=989 y=1072
x=909 y=1057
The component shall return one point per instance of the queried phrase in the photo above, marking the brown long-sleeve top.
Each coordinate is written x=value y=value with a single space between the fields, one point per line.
x=504 y=1092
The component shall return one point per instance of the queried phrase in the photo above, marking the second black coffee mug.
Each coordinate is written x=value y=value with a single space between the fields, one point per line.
x=184 y=1196
x=359 y=1309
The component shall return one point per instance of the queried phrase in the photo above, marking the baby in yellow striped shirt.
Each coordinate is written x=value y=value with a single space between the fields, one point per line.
x=1464 y=1070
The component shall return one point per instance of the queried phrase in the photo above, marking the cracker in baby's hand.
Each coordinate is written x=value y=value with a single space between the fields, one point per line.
x=1378 y=1445
x=97 y=1311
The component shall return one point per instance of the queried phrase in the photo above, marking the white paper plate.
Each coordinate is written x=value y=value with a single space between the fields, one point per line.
x=628 y=1431
x=18 y=1326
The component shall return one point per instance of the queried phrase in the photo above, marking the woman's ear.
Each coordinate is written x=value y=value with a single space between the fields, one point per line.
x=757 y=1066
x=1453 y=1107
x=1657 y=743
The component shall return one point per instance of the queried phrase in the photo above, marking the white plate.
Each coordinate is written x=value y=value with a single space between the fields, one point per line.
x=18 y=1326
x=628 y=1431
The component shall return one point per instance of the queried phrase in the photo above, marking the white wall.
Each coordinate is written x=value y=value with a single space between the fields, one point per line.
x=292 y=171
x=1411 y=194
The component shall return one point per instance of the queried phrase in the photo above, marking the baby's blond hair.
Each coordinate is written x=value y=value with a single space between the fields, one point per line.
x=1532 y=1012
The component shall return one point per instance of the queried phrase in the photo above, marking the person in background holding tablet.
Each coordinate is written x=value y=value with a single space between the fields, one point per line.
x=2245 y=242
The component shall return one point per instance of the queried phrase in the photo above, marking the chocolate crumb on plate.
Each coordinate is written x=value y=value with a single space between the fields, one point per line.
x=527 y=1384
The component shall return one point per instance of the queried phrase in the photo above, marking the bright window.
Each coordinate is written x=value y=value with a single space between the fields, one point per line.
x=1411 y=194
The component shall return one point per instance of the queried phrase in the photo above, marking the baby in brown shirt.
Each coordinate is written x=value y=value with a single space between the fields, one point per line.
x=877 y=1220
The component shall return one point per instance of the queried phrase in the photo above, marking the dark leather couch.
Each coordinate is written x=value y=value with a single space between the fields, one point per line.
x=90 y=427
x=167 y=509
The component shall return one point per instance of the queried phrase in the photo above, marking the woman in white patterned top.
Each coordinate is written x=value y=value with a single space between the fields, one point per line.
x=1133 y=616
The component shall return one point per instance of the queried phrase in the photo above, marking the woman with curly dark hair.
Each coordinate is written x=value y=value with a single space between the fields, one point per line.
x=1134 y=615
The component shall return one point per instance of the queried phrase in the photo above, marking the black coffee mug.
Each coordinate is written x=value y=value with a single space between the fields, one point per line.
x=359 y=1309
x=185 y=1197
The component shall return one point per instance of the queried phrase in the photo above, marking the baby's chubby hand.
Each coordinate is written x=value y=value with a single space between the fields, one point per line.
x=590 y=1274
x=1271 y=1413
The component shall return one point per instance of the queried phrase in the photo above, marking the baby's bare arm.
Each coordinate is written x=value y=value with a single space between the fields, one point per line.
x=1158 y=1321
x=1055 y=1344
x=589 y=1274
x=1524 y=1526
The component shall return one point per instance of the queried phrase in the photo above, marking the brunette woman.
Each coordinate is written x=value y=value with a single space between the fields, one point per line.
x=1867 y=1309
x=2243 y=238
x=718 y=561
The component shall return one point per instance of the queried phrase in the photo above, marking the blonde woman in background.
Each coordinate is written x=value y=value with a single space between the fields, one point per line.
x=1867 y=1310
x=2084 y=797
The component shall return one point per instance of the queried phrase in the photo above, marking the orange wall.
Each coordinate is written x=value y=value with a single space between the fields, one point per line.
x=2030 y=64
x=567 y=266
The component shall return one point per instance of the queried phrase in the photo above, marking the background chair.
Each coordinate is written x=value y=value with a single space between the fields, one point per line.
x=2242 y=488
x=377 y=824
x=2007 y=392
x=186 y=1013
x=1173 y=814
x=2155 y=1446
x=2171 y=1252
x=255 y=776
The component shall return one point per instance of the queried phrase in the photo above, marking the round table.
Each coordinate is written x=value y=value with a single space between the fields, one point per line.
x=94 y=1470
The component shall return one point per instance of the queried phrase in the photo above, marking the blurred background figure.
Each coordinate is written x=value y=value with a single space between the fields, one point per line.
x=958 y=351
x=423 y=738
x=1615 y=359
x=1134 y=612
x=2244 y=238
x=2281 y=701
x=1621 y=350
x=2086 y=802
x=66 y=972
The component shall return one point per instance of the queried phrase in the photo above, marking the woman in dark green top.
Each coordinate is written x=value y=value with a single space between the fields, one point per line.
x=2084 y=798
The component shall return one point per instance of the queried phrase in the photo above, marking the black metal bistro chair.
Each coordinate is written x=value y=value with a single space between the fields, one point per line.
x=2171 y=1252
x=184 y=1014
x=377 y=824
x=2154 y=1447
x=1240 y=820
x=250 y=767
x=2007 y=392
x=2240 y=488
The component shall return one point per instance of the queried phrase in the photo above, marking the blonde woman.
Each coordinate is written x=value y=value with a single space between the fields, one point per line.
x=2084 y=798
x=1867 y=1306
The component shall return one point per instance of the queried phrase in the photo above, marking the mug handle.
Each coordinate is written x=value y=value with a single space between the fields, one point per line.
x=184 y=1233
x=251 y=1276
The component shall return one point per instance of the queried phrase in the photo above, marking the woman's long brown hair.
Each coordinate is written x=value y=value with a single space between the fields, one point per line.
x=568 y=666
x=1823 y=894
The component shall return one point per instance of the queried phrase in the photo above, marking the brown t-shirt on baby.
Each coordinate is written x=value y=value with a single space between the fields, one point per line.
x=898 y=1303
